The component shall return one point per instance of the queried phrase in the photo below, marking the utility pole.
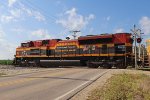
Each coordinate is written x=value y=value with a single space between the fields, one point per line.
x=74 y=34
x=135 y=34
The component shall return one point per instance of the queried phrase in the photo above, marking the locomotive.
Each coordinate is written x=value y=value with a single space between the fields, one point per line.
x=104 y=50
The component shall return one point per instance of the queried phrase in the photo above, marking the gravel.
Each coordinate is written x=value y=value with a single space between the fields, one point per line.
x=8 y=70
x=7 y=67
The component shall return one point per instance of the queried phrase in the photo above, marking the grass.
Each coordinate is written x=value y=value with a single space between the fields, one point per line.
x=124 y=87
x=145 y=69
x=1 y=74
x=6 y=62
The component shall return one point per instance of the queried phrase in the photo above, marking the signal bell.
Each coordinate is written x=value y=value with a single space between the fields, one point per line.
x=139 y=40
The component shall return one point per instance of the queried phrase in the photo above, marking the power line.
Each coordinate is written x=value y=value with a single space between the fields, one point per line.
x=34 y=7
x=42 y=11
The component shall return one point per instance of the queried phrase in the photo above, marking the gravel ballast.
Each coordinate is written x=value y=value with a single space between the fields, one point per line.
x=8 y=70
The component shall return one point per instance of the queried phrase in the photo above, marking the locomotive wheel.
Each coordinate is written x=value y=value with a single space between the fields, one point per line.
x=95 y=66
x=83 y=63
x=106 y=66
x=121 y=66
x=109 y=66
x=90 y=65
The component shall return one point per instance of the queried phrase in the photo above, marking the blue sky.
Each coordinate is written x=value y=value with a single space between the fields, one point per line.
x=24 y=20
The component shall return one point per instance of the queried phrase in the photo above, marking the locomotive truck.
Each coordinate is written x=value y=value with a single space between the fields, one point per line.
x=104 y=50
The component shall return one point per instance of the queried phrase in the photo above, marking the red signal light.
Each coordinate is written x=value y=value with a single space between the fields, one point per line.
x=139 y=40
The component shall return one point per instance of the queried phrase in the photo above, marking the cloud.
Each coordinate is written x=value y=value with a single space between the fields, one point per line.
x=5 y=18
x=11 y=2
x=2 y=33
x=58 y=2
x=18 y=30
x=119 y=30
x=7 y=48
x=36 y=14
x=108 y=18
x=74 y=21
x=21 y=12
x=13 y=16
x=16 y=13
x=145 y=25
x=40 y=34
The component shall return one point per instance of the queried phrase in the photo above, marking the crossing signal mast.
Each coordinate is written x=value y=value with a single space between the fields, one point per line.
x=137 y=39
x=74 y=33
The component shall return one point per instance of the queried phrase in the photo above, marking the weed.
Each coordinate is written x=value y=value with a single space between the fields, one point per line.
x=124 y=87
x=1 y=74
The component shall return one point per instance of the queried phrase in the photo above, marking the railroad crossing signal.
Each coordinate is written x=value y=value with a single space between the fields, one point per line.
x=135 y=32
x=139 y=40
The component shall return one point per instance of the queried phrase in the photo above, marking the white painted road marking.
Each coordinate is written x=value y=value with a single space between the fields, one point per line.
x=82 y=85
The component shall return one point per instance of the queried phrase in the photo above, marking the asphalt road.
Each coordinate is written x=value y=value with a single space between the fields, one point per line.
x=55 y=84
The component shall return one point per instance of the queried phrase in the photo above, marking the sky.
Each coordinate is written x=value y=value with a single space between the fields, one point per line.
x=25 y=20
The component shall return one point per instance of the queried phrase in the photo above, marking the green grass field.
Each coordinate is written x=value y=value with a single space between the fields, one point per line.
x=124 y=87
x=6 y=62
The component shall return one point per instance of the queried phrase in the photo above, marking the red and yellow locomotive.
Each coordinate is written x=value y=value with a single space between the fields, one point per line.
x=105 y=50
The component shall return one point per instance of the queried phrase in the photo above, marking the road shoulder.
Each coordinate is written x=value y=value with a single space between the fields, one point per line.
x=83 y=95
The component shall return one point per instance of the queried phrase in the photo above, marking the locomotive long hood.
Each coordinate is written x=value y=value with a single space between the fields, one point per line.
x=95 y=37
